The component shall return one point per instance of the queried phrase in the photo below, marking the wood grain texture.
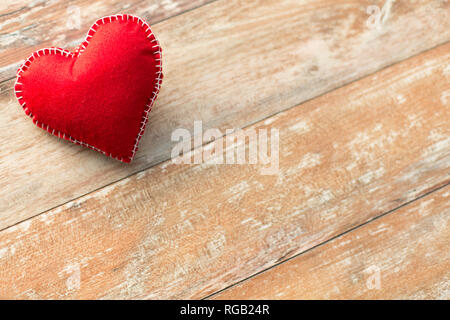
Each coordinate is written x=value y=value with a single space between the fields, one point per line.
x=187 y=231
x=26 y=26
x=403 y=255
x=229 y=64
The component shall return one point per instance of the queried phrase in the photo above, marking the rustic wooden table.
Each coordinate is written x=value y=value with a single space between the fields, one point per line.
x=360 y=93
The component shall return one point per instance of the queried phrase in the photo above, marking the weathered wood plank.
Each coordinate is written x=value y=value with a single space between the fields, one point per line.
x=26 y=27
x=187 y=231
x=230 y=63
x=403 y=255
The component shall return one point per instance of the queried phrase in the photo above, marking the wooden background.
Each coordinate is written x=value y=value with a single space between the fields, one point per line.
x=358 y=209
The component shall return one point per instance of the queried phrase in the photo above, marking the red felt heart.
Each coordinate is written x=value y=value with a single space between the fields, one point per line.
x=100 y=95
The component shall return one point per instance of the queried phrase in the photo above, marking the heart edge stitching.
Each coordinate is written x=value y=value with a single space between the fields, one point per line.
x=157 y=52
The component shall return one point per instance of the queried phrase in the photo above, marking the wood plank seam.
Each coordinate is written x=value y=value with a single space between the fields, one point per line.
x=245 y=127
x=401 y=256
x=343 y=57
x=136 y=225
x=316 y=247
x=155 y=22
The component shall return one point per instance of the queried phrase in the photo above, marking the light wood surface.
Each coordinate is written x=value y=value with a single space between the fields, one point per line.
x=227 y=63
x=187 y=231
x=399 y=256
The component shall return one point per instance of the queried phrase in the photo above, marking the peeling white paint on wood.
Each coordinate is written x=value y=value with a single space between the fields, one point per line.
x=299 y=73
x=390 y=250
x=174 y=234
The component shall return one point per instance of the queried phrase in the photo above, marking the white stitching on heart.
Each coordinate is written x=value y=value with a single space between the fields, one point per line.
x=77 y=53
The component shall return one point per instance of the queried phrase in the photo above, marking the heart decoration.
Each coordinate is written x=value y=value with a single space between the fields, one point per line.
x=100 y=95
